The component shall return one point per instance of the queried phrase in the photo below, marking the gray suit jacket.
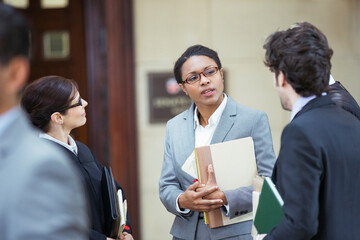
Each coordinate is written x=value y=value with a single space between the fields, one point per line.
x=236 y=122
x=41 y=195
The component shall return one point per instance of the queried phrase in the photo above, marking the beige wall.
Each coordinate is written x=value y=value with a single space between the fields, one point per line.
x=237 y=30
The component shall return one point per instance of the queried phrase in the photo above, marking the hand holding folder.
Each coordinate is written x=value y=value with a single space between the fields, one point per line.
x=194 y=198
x=234 y=166
x=211 y=182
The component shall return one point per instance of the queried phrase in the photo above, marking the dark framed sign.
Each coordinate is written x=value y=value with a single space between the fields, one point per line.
x=166 y=99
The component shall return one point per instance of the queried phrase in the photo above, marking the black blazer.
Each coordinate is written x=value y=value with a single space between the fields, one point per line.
x=343 y=98
x=318 y=173
x=91 y=171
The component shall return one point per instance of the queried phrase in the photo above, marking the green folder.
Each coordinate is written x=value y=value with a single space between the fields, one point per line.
x=270 y=209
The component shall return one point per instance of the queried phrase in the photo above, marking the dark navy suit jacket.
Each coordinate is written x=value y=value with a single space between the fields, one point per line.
x=317 y=174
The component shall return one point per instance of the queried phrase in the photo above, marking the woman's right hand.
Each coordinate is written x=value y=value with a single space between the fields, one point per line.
x=126 y=236
x=192 y=198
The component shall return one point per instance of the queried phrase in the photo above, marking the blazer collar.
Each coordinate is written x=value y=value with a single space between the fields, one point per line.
x=226 y=121
x=315 y=103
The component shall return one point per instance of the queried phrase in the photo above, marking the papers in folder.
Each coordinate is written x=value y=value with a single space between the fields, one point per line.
x=122 y=212
x=234 y=165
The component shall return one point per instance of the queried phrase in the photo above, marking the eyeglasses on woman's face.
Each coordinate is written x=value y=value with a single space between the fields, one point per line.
x=208 y=72
x=79 y=103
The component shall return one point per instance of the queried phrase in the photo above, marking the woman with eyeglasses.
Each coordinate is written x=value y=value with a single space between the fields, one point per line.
x=213 y=117
x=55 y=106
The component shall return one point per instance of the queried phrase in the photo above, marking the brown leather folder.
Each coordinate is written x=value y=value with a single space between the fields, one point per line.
x=234 y=166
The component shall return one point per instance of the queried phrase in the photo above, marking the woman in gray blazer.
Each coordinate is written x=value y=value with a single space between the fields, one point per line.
x=212 y=118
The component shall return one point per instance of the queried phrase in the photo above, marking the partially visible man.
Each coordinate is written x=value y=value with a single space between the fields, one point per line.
x=341 y=97
x=317 y=170
x=41 y=197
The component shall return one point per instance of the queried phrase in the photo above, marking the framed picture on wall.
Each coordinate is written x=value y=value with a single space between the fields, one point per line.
x=166 y=99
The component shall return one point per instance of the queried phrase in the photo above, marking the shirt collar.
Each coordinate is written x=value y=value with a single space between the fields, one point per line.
x=215 y=117
x=8 y=117
x=300 y=103
x=71 y=146
x=331 y=80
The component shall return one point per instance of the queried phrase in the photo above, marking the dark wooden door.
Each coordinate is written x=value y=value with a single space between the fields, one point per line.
x=58 y=46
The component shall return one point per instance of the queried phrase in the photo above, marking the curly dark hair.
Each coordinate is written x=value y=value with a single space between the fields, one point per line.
x=195 y=50
x=303 y=55
x=45 y=96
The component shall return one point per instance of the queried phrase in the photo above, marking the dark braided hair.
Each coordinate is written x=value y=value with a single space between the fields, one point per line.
x=45 y=96
x=196 y=50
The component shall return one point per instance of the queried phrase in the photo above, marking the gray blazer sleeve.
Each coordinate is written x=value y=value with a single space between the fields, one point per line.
x=240 y=199
x=169 y=185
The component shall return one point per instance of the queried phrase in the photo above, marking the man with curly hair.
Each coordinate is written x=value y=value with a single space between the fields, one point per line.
x=317 y=170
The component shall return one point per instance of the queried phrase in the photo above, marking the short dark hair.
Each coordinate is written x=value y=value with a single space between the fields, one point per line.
x=14 y=34
x=303 y=55
x=196 y=50
x=45 y=96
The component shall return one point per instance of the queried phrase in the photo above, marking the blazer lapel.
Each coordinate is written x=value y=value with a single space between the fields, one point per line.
x=226 y=122
x=186 y=137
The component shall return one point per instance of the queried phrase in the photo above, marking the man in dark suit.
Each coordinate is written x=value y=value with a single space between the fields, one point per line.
x=317 y=170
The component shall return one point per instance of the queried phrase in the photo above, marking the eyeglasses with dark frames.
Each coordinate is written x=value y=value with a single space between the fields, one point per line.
x=79 y=103
x=208 y=72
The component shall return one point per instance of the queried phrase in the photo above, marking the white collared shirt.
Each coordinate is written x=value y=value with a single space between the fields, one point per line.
x=7 y=118
x=203 y=135
x=331 y=80
x=71 y=146
x=299 y=104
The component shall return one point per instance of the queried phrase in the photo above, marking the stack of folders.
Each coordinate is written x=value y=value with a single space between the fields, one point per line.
x=234 y=166
x=270 y=208
x=115 y=207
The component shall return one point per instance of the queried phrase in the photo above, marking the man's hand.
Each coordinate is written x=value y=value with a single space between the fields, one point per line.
x=193 y=199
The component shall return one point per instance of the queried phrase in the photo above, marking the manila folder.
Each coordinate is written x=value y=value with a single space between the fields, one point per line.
x=234 y=165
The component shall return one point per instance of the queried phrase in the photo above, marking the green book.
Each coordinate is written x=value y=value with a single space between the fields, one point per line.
x=270 y=209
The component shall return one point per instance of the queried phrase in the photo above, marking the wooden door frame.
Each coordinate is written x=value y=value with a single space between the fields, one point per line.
x=111 y=91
